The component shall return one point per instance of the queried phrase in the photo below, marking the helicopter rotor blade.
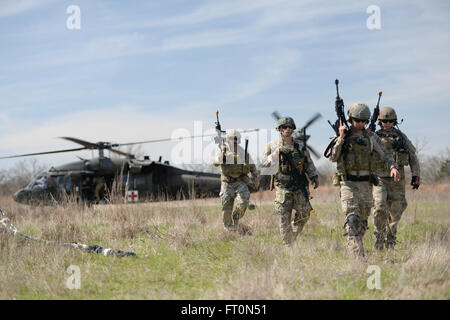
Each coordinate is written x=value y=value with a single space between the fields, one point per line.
x=39 y=153
x=86 y=144
x=276 y=115
x=108 y=146
x=176 y=139
x=120 y=152
x=314 y=152
x=311 y=121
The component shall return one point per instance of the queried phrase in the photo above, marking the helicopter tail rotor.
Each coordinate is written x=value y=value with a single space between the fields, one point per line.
x=301 y=133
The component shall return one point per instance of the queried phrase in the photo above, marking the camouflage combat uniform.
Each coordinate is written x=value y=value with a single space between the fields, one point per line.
x=288 y=196
x=235 y=180
x=356 y=162
x=99 y=183
x=389 y=196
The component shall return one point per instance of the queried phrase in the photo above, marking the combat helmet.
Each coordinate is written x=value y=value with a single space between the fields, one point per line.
x=358 y=110
x=387 y=113
x=233 y=133
x=286 y=120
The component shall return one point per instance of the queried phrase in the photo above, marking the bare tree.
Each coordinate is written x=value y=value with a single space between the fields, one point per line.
x=19 y=175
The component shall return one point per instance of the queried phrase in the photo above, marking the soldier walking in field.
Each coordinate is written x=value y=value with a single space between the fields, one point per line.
x=292 y=167
x=100 y=187
x=235 y=165
x=354 y=151
x=389 y=196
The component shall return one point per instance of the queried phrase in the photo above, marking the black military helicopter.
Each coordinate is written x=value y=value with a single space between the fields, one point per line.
x=101 y=179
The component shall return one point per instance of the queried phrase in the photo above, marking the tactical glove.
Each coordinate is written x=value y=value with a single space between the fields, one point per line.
x=415 y=182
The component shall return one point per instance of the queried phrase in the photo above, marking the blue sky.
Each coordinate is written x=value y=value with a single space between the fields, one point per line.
x=139 y=70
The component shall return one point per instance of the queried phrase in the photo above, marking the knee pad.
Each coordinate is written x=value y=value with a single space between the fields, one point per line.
x=354 y=224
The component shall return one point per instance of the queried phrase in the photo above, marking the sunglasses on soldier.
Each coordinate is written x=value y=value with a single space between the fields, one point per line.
x=287 y=127
x=358 y=120
x=387 y=121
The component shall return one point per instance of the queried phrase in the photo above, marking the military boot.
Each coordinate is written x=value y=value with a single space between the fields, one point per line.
x=228 y=220
x=288 y=238
x=296 y=229
x=244 y=230
x=355 y=247
x=240 y=228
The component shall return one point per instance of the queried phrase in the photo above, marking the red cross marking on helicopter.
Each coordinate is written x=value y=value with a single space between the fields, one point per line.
x=132 y=195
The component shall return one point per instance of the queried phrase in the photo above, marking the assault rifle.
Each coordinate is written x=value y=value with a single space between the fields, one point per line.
x=341 y=120
x=246 y=158
x=339 y=108
x=297 y=180
x=219 y=139
x=376 y=113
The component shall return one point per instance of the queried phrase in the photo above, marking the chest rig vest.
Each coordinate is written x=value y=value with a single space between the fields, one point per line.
x=236 y=168
x=292 y=166
x=393 y=141
x=357 y=155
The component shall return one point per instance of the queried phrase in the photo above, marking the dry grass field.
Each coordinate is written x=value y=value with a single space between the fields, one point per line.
x=183 y=252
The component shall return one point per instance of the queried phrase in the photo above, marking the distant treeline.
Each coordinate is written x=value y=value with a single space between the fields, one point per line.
x=434 y=169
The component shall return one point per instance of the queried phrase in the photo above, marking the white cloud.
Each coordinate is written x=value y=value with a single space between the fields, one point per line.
x=112 y=46
x=122 y=45
x=271 y=14
x=211 y=11
x=272 y=68
x=301 y=12
x=13 y=7
x=210 y=38
x=95 y=49
x=408 y=60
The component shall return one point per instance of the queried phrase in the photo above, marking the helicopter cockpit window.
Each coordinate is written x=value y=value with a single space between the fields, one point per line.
x=38 y=182
x=64 y=183
x=68 y=184
x=60 y=182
